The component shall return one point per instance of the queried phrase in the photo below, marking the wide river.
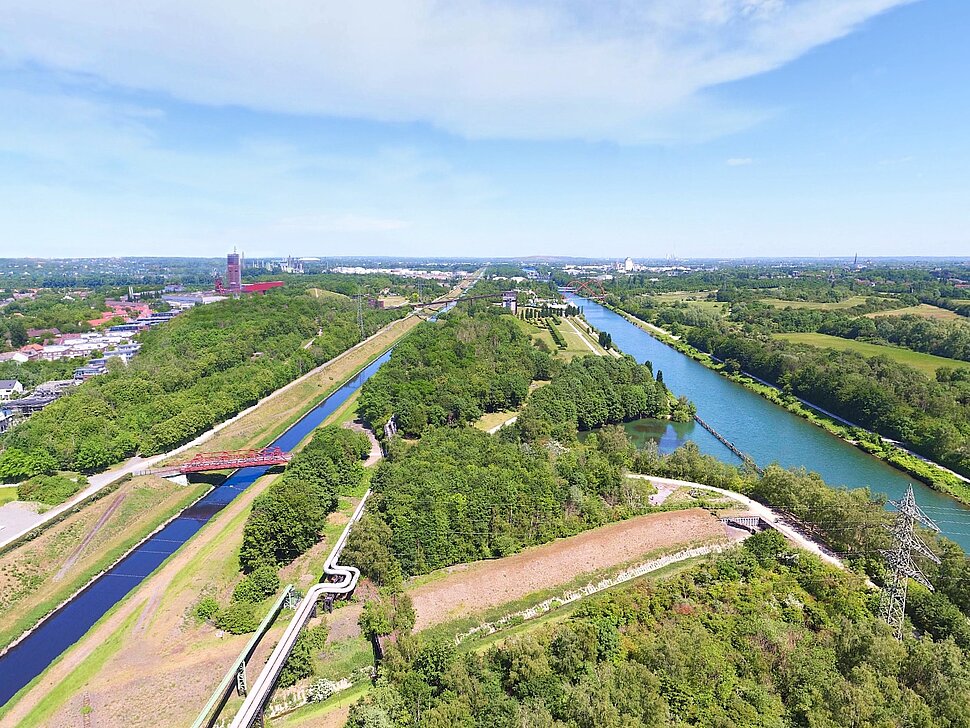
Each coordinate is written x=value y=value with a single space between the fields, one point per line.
x=765 y=431
x=30 y=657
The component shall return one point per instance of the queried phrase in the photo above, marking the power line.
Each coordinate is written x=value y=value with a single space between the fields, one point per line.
x=900 y=563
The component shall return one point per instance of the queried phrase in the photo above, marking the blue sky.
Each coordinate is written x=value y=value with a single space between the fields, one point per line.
x=487 y=127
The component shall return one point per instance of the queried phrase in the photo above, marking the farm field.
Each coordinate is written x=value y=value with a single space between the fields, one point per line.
x=926 y=363
x=923 y=309
x=835 y=306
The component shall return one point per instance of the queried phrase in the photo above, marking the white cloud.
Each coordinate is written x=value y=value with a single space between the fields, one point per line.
x=739 y=161
x=626 y=70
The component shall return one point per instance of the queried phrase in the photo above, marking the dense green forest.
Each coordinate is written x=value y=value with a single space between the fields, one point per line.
x=289 y=517
x=452 y=371
x=593 y=391
x=850 y=522
x=193 y=372
x=462 y=495
x=944 y=338
x=762 y=636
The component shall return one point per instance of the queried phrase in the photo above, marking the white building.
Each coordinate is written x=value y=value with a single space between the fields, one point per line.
x=9 y=388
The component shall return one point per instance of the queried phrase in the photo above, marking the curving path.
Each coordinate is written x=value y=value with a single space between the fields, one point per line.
x=767 y=514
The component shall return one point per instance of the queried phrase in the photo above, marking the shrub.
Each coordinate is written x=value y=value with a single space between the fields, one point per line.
x=255 y=587
x=206 y=608
x=238 y=618
x=49 y=489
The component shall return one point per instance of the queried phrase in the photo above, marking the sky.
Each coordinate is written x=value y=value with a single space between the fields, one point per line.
x=643 y=128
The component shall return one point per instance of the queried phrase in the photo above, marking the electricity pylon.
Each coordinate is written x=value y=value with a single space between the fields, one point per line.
x=899 y=560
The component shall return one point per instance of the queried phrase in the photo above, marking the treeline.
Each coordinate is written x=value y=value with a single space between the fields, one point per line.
x=762 y=636
x=850 y=522
x=452 y=371
x=592 y=391
x=289 y=517
x=462 y=495
x=893 y=399
x=193 y=372
x=944 y=338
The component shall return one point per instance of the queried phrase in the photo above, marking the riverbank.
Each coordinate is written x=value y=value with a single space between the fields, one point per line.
x=933 y=475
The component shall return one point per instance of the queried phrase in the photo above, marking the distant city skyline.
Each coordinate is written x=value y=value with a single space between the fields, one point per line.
x=703 y=129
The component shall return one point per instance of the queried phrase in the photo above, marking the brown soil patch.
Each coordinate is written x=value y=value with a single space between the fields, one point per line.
x=473 y=588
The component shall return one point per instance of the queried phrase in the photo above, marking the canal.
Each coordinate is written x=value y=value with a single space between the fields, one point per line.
x=31 y=656
x=765 y=431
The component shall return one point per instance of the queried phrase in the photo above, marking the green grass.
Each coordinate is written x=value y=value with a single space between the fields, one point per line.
x=926 y=363
x=111 y=549
x=7 y=494
x=836 y=306
x=77 y=679
x=678 y=296
x=924 y=309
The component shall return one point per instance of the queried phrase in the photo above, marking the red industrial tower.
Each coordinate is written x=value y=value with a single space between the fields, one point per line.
x=233 y=272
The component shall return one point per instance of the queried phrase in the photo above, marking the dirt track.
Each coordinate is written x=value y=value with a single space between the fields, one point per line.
x=474 y=588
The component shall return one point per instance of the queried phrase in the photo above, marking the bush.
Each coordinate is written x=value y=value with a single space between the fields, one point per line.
x=320 y=690
x=16 y=464
x=238 y=618
x=50 y=489
x=206 y=608
x=254 y=588
x=299 y=664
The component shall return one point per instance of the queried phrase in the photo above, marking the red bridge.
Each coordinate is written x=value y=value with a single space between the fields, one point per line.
x=227 y=460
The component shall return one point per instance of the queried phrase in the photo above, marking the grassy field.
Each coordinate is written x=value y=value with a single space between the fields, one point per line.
x=576 y=342
x=677 y=296
x=923 y=309
x=320 y=293
x=7 y=494
x=926 y=363
x=847 y=303
x=493 y=419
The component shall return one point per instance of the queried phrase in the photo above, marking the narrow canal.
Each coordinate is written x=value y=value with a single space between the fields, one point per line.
x=765 y=431
x=30 y=657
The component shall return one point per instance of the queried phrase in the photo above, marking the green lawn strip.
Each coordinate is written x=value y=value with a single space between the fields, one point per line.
x=310 y=715
x=107 y=557
x=925 y=363
x=7 y=494
x=926 y=472
x=347 y=412
x=79 y=677
x=819 y=305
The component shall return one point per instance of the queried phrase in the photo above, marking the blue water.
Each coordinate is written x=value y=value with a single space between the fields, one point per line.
x=67 y=625
x=767 y=432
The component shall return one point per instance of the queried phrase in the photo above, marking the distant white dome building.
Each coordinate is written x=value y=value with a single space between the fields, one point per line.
x=628 y=265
